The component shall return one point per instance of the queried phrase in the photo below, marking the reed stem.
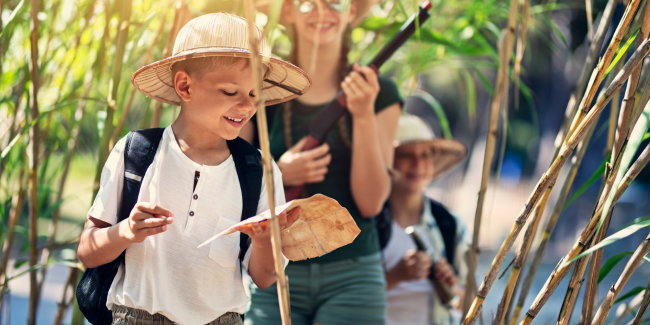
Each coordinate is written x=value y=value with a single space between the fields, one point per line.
x=643 y=306
x=263 y=134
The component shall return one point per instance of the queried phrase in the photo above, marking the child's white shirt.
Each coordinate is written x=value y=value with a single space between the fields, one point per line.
x=166 y=273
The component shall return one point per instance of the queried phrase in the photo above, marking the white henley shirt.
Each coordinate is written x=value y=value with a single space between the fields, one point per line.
x=166 y=273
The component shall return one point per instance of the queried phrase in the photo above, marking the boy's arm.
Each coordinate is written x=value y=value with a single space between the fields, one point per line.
x=261 y=267
x=101 y=243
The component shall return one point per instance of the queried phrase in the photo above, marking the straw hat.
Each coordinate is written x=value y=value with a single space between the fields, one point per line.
x=363 y=7
x=448 y=152
x=220 y=34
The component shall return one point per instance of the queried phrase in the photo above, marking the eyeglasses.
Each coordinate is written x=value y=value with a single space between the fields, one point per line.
x=307 y=6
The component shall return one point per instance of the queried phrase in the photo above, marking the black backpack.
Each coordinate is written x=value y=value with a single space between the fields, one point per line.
x=139 y=151
x=446 y=222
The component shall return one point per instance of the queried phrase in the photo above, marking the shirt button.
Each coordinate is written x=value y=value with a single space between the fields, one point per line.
x=196 y=197
x=191 y=213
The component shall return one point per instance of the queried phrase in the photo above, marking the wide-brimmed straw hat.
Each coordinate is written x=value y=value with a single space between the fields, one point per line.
x=226 y=35
x=448 y=152
x=363 y=7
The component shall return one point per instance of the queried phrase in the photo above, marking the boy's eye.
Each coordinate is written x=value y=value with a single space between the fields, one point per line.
x=251 y=94
x=228 y=94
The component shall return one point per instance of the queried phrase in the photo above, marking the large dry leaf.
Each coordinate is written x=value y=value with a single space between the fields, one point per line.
x=323 y=226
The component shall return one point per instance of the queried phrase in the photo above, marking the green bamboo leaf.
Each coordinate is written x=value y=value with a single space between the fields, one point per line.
x=631 y=293
x=621 y=51
x=611 y=262
x=646 y=258
x=437 y=109
x=14 y=20
x=375 y=23
x=485 y=82
x=615 y=237
x=635 y=221
x=646 y=136
x=598 y=174
x=471 y=94
x=555 y=29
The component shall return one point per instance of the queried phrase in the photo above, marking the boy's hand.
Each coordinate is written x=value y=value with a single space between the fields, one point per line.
x=260 y=232
x=361 y=88
x=146 y=219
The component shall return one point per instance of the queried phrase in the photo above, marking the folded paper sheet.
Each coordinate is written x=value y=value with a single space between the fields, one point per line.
x=323 y=226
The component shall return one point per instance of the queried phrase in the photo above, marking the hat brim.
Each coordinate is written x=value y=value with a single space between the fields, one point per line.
x=282 y=82
x=448 y=154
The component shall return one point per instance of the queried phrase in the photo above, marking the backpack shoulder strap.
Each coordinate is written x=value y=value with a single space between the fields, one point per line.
x=139 y=151
x=447 y=224
x=249 y=172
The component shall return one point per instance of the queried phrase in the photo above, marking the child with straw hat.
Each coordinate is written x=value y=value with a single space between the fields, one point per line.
x=420 y=157
x=346 y=286
x=193 y=188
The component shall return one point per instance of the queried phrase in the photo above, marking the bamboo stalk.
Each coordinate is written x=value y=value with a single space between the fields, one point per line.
x=643 y=306
x=603 y=64
x=263 y=133
x=553 y=171
x=590 y=20
x=572 y=291
x=615 y=290
x=33 y=164
x=521 y=46
x=111 y=102
x=501 y=91
x=181 y=17
x=520 y=255
x=129 y=102
x=65 y=302
x=585 y=238
x=17 y=204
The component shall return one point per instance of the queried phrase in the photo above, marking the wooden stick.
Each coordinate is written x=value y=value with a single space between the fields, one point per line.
x=615 y=290
x=501 y=90
x=263 y=134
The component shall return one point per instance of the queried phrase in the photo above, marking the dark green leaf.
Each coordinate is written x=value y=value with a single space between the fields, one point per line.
x=555 y=29
x=597 y=175
x=615 y=237
x=621 y=52
x=631 y=293
x=611 y=262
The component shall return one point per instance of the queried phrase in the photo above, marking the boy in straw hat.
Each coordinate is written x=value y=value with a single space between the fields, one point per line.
x=419 y=158
x=192 y=189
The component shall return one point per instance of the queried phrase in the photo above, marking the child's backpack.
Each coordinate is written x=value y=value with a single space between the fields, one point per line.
x=139 y=151
x=446 y=222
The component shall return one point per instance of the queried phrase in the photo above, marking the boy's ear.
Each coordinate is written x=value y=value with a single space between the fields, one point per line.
x=182 y=84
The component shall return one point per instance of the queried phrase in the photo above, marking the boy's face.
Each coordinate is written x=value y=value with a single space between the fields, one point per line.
x=414 y=162
x=221 y=102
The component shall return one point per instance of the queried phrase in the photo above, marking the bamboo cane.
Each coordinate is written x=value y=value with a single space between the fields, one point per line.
x=572 y=292
x=579 y=132
x=129 y=101
x=33 y=165
x=181 y=17
x=500 y=91
x=520 y=256
x=17 y=204
x=590 y=20
x=585 y=238
x=263 y=133
x=643 y=306
x=521 y=46
x=615 y=290
x=601 y=68
x=120 y=44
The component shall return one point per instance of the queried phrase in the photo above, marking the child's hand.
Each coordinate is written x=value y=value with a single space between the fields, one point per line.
x=146 y=219
x=414 y=265
x=445 y=272
x=361 y=88
x=260 y=232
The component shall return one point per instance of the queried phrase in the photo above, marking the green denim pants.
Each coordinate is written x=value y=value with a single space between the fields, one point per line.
x=351 y=291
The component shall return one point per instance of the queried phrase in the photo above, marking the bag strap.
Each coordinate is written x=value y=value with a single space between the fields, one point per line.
x=250 y=172
x=139 y=151
x=447 y=224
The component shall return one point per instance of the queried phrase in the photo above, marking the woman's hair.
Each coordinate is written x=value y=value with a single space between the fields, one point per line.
x=344 y=70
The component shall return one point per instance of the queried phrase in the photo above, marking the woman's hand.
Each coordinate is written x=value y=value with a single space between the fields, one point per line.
x=361 y=88
x=445 y=273
x=414 y=265
x=303 y=167
x=260 y=232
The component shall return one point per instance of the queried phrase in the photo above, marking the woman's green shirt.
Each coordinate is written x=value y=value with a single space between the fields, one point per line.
x=337 y=181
